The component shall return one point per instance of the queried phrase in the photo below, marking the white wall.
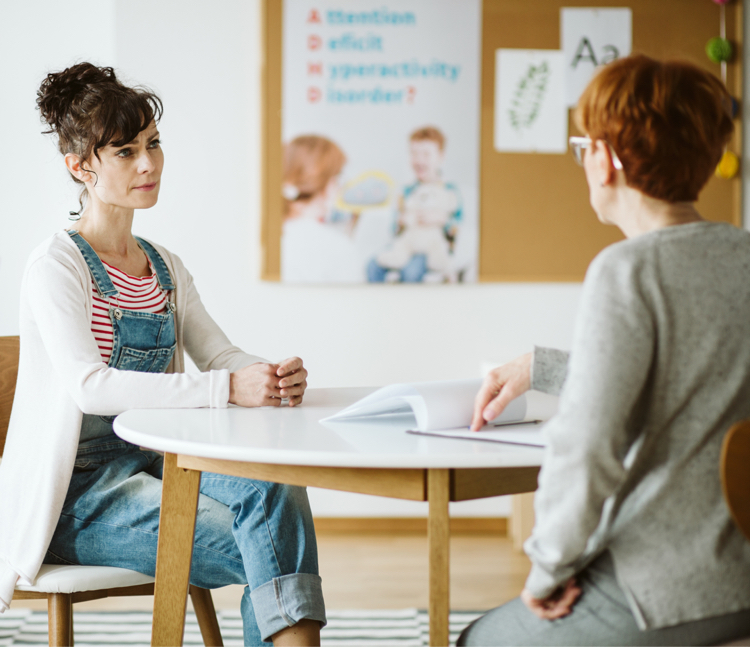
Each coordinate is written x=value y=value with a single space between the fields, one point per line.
x=204 y=60
x=35 y=38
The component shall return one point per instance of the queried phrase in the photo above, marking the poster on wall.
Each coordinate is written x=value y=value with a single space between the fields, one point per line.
x=591 y=37
x=380 y=127
x=530 y=112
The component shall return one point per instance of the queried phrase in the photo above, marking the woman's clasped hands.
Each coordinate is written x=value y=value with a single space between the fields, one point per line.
x=264 y=385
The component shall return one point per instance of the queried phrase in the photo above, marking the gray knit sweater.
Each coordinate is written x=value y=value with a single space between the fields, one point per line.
x=658 y=372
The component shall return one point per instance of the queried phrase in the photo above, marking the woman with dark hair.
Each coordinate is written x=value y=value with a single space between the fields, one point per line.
x=633 y=543
x=106 y=318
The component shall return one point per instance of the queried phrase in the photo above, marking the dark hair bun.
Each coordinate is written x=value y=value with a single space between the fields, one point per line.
x=63 y=93
x=88 y=108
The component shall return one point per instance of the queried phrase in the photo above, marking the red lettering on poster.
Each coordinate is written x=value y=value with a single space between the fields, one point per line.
x=314 y=94
x=315 y=68
x=314 y=16
x=314 y=42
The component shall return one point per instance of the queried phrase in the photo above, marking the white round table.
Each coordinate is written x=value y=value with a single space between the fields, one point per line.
x=291 y=445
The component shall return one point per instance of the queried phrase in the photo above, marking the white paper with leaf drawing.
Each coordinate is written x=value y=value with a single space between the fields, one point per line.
x=530 y=111
x=380 y=125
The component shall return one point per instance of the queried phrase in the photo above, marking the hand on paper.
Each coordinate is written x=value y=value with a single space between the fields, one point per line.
x=263 y=385
x=557 y=605
x=501 y=385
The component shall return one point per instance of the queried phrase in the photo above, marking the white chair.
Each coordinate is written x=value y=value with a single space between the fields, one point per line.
x=62 y=586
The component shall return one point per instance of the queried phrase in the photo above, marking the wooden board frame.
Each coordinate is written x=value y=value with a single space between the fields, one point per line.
x=535 y=220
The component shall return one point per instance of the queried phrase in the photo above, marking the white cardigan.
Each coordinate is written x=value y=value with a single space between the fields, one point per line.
x=61 y=376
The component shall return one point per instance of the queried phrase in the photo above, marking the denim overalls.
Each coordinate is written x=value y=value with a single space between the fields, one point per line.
x=247 y=531
x=142 y=341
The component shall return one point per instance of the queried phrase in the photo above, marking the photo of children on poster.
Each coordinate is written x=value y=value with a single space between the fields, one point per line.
x=380 y=121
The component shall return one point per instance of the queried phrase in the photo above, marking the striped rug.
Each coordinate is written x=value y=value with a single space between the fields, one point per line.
x=403 y=627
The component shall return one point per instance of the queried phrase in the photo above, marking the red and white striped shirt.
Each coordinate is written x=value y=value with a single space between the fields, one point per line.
x=136 y=293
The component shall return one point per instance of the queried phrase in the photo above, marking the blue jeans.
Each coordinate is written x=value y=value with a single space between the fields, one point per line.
x=412 y=272
x=247 y=532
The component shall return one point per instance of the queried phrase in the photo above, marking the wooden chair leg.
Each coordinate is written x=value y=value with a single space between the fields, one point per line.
x=203 y=604
x=60 y=619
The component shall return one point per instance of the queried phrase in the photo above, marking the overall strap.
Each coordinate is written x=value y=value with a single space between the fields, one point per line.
x=103 y=283
x=160 y=267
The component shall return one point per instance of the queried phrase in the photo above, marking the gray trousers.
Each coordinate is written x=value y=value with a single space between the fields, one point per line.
x=601 y=616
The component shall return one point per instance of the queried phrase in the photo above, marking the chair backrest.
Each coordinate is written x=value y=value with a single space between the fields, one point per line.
x=735 y=474
x=8 y=373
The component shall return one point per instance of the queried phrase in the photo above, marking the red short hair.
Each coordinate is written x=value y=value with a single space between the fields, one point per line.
x=668 y=122
x=310 y=162
x=429 y=134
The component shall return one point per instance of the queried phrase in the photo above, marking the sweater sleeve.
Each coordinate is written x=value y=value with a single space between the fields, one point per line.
x=588 y=439
x=549 y=368
x=56 y=298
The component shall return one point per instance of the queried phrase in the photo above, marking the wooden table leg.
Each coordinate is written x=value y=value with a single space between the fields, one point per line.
x=179 y=502
x=438 y=494
x=521 y=519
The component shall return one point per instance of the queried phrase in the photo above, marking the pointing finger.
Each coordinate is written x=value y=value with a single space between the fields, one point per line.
x=485 y=395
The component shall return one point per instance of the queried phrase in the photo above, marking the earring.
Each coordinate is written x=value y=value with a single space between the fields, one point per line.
x=74 y=216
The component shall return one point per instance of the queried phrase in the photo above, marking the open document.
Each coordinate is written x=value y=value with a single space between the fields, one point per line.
x=446 y=407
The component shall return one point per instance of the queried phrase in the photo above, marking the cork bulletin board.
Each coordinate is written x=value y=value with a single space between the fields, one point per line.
x=535 y=220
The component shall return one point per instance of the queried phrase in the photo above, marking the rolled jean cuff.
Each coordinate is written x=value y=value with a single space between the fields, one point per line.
x=286 y=600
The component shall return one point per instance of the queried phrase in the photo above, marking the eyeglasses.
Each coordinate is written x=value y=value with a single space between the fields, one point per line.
x=579 y=144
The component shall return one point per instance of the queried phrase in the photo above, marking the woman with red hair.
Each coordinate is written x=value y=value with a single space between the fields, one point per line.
x=633 y=544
